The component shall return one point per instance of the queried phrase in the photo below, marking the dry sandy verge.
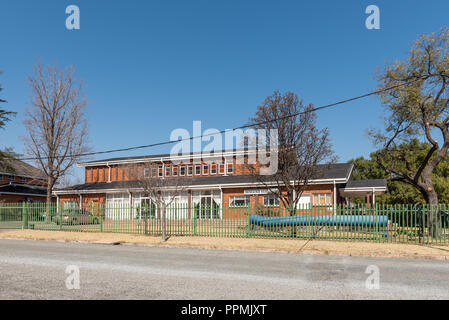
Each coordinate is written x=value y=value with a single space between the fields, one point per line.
x=289 y=246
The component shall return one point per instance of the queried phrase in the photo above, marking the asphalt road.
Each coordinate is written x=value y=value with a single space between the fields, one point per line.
x=37 y=270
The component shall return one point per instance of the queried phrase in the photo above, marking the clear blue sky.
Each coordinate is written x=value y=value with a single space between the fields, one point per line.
x=152 y=66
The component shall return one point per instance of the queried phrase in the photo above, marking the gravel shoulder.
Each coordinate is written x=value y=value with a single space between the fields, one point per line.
x=335 y=248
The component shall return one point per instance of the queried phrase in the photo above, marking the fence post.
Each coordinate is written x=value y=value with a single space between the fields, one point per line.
x=194 y=230
x=101 y=217
x=146 y=215
x=248 y=231
x=60 y=220
x=24 y=215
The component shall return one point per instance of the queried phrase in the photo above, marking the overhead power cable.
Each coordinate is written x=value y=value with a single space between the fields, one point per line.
x=87 y=154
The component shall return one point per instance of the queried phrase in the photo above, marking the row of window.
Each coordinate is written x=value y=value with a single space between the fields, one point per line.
x=244 y=201
x=189 y=170
x=12 y=178
x=274 y=201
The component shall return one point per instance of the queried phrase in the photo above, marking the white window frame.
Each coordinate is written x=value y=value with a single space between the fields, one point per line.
x=205 y=166
x=320 y=195
x=224 y=168
x=227 y=168
x=211 y=166
x=173 y=171
x=271 y=197
x=196 y=166
x=247 y=200
x=190 y=168
x=167 y=170
x=180 y=171
x=160 y=171
x=145 y=172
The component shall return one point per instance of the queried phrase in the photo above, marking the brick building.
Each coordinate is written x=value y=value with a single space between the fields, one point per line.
x=21 y=182
x=209 y=181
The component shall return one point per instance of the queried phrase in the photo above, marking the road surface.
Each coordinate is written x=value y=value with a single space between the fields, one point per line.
x=37 y=270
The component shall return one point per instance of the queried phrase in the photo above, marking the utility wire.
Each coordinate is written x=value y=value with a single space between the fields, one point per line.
x=236 y=128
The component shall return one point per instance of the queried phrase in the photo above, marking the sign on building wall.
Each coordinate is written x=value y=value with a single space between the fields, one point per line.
x=259 y=191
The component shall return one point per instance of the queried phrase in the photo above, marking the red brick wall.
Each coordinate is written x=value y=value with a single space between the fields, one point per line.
x=130 y=172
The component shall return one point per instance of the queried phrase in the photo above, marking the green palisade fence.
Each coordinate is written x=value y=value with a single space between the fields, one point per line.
x=417 y=224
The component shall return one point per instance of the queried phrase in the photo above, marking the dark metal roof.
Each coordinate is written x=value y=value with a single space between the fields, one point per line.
x=18 y=167
x=335 y=171
x=370 y=183
x=22 y=189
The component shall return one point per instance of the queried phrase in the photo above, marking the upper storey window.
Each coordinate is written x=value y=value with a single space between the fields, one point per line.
x=221 y=168
x=230 y=168
x=161 y=171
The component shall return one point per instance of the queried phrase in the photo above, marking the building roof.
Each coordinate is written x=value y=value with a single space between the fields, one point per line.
x=23 y=189
x=20 y=168
x=338 y=171
x=369 y=183
x=360 y=188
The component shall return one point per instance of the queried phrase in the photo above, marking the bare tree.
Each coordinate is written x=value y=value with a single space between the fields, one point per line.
x=304 y=152
x=55 y=122
x=161 y=190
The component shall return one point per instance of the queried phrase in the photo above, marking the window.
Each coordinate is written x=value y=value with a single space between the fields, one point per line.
x=230 y=168
x=1 y=177
x=153 y=172
x=146 y=172
x=167 y=171
x=213 y=169
x=23 y=180
x=322 y=199
x=11 y=178
x=221 y=168
x=175 y=171
x=161 y=172
x=205 y=169
x=197 y=170
x=239 y=201
x=182 y=171
x=70 y=205
x=190 y=170
x=271 y=201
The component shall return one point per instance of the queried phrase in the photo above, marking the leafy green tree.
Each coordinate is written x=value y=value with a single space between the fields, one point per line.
x=398 y=191
x=5 y=116
x=415 y=93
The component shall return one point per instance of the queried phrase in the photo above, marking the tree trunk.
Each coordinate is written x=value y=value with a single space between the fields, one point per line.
x=292 y=213
x=163 y=223
x=433 y=220
x=48 y=210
